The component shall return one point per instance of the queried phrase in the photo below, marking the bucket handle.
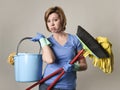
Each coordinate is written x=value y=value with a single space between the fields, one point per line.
x=23 y=40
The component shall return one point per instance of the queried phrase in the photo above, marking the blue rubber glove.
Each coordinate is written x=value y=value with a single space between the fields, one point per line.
x=37 y=37
x=68 y=67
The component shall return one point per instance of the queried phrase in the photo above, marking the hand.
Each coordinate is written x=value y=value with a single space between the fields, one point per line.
x=37 y=37
x=76 y=66
x=11 y=58
x=68 y=67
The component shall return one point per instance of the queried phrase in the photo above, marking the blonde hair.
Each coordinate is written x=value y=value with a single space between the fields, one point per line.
x=60 y=13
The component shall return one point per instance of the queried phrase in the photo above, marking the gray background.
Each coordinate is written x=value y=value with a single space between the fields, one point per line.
x=21 y=18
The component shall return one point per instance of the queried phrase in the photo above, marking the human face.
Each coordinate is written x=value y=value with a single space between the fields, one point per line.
x=54 y=23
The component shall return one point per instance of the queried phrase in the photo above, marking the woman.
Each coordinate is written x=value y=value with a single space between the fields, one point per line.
x=58 y=50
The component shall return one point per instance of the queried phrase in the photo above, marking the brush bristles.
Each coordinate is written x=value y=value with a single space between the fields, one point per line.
x=91 y=43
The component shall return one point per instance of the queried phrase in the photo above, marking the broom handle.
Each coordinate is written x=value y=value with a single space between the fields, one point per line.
x=56 y=72
x=56 y=80
x=76 y=57
x=44 y=79
x=62 y=73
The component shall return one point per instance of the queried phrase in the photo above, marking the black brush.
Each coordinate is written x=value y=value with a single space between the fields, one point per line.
x=91 y=43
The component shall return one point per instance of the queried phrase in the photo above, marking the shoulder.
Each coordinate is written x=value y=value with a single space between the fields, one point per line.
x=50 y=37
x=73 y=37
x=76 y=42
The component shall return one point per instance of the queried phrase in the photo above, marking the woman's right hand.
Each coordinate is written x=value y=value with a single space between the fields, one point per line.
x=37 y=37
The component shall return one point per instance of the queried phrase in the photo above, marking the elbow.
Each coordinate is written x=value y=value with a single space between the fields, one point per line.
x=85 y=67
x=49 y=60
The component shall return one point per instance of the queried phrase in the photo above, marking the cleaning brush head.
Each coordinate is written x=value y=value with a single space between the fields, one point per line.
x=91 y=43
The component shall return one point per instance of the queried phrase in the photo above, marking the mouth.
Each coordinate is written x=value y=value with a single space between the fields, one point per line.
x=53 y=28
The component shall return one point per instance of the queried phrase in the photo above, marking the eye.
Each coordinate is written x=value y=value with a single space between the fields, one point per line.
x=48 y=21
x=56 y=19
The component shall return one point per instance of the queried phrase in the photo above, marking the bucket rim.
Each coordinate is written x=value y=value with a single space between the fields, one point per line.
x=21 y=54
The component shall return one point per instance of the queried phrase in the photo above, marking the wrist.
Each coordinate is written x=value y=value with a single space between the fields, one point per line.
x=76 y=67
x=44 y=42
x=68 y=67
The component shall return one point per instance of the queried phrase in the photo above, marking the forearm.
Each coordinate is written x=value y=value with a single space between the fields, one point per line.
x=83 y=66
x=47 y=54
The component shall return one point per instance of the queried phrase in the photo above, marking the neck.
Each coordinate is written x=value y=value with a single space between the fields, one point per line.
x=60 y=34
x=61 y=37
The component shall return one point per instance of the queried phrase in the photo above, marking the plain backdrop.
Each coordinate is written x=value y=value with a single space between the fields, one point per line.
x=22 y=18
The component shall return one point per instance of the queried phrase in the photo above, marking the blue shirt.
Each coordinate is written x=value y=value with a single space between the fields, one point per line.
x=63 y=53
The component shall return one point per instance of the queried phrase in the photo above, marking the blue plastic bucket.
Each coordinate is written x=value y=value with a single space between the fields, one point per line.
x=27 y=66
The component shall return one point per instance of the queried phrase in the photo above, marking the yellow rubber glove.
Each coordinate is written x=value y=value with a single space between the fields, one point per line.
x=11 y=58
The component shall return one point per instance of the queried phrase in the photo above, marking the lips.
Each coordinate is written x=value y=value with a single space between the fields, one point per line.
x=53 y=28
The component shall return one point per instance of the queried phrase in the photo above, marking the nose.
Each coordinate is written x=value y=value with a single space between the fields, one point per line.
x=52 y=23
